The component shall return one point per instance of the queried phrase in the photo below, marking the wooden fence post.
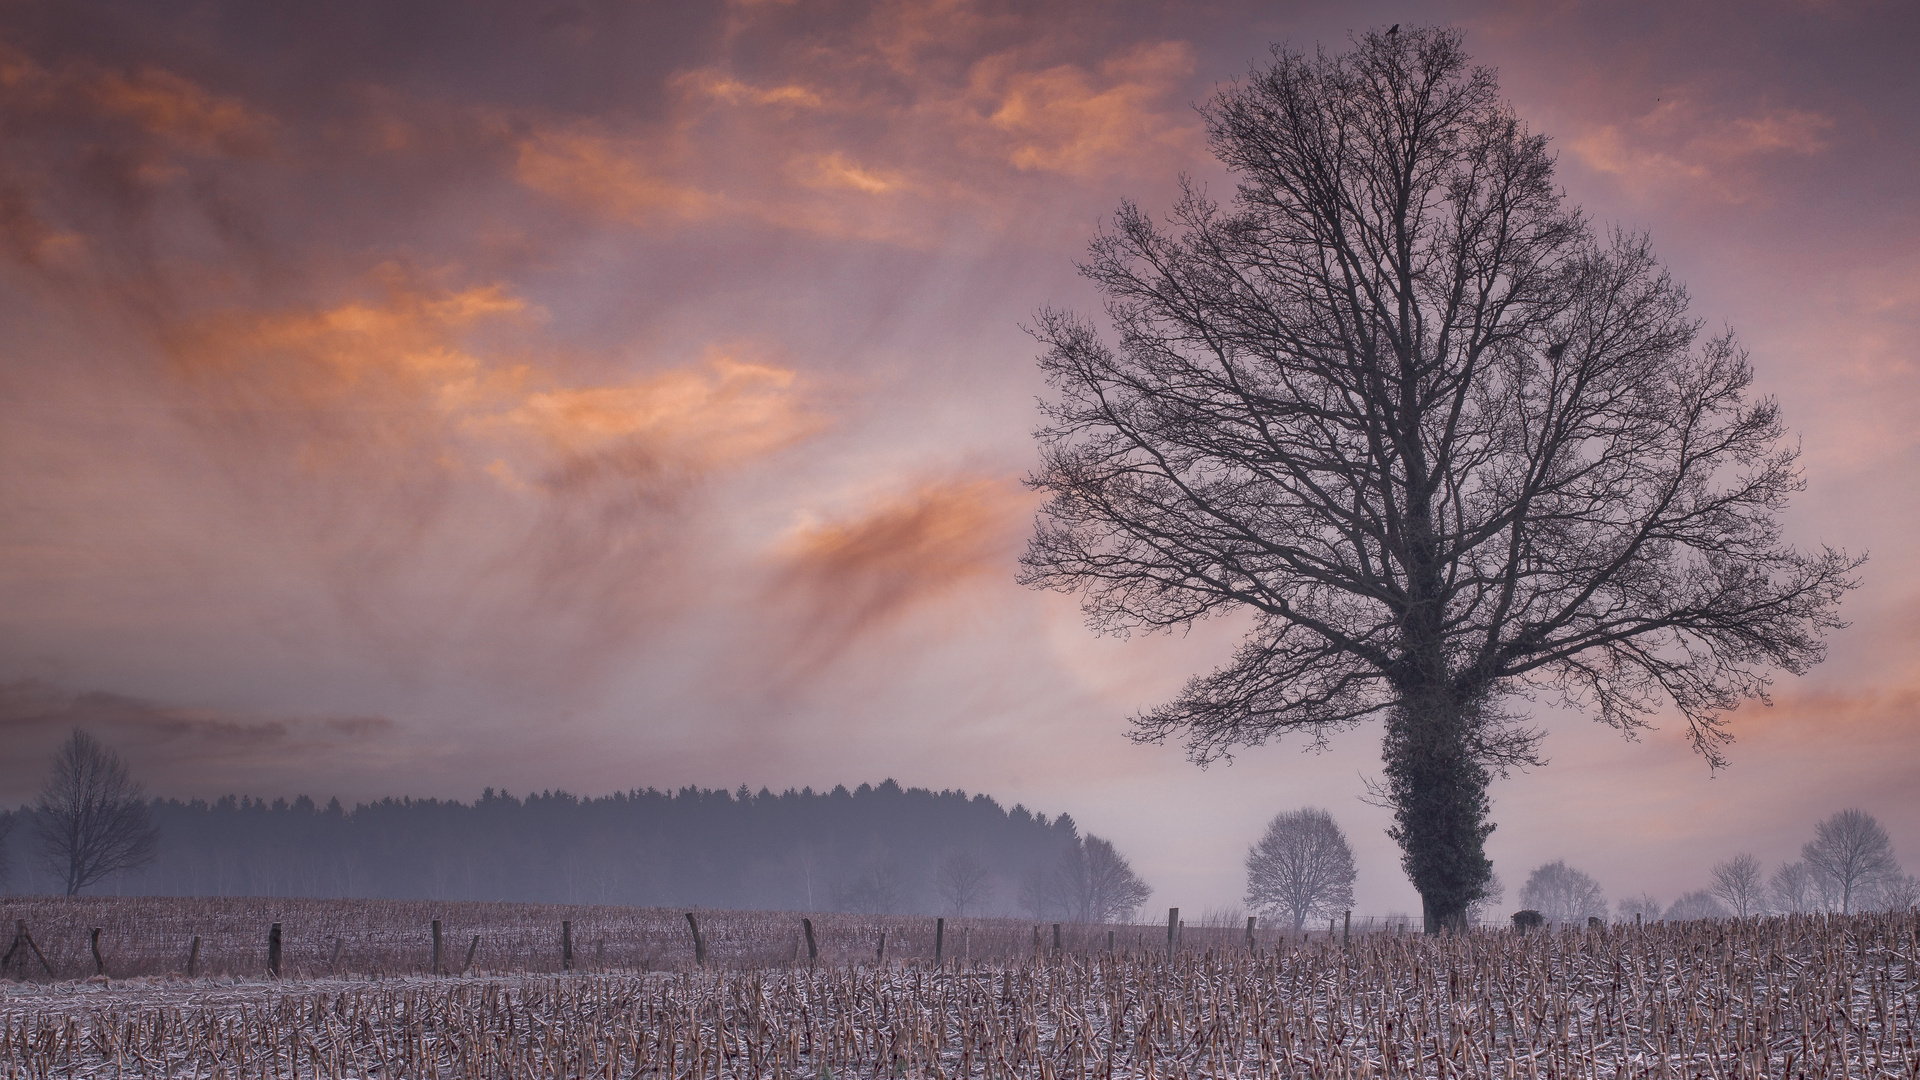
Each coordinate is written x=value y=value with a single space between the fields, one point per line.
x=193 y=955
x=22 y=944
x=333 y=962
x=939 y=938
x=472 y=947
x=1250 y=920
x=1056 y=937
x=1346 y=930
x=437 y=969
x=99 y=962
x=699 y=943
x=1036 y=941
x=1173 y=923
x=273 y=950
x=881 y=954
x=1109 y=943
x=813 y=950
x=566 y=944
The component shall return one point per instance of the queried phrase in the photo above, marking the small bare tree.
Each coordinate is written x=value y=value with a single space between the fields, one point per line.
x=91 y=819
x=1694 y=906
x=1301 y=867
x=1849 y=852
x=874 y=891
x=1736 y=883
x=1898 y=892
x=962 y=882
x=1564 y=895
x=1094 y=883
x=1645 y=906
x=1793 y=888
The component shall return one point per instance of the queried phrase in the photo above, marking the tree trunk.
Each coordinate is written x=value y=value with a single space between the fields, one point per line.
x=1439 y=791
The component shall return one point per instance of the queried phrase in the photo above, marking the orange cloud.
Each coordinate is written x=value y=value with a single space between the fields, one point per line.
x=848 y=577
x=724 y=88
x=617 y=177
x=398 y=380
x=1678 y=143
x=1067 y=119
x=184 y=113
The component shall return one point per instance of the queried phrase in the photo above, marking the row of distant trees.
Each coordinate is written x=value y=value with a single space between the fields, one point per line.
x=1847 y=866
x=876 y=849
x=1302 y=868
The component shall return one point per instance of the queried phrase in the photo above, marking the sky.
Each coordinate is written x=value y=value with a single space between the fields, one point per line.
x=406 y=398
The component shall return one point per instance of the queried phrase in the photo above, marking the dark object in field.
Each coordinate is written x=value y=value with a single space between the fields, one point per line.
x=193 y=955
x=813 y=950
x=436 y=948
x=1528 y=919
x=99 y=962
x=939 y=938
x=273 y=950
x=471 y=949
x=699 y=943
x=566 y=944
x=1595 y=922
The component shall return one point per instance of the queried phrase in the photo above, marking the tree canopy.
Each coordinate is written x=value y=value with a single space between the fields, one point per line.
x=1443 y=440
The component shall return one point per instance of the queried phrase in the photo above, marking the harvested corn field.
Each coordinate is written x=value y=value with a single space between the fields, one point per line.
x=1782 y=997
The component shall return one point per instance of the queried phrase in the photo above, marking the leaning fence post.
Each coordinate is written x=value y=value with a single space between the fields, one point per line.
x=566 y=944
x=813 y=950
x=939 y=938
x=471 y=948
x=273 y=950
x=193 y=955
x=699 y=943
x=436 y=948
x=23 y=939
x=1173 y=923
x=99 y=962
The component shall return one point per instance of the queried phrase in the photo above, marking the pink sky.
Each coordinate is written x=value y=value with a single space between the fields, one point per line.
x=408 y=398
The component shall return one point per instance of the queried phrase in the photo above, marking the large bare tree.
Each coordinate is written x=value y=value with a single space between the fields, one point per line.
x=91 y=819
x=1849 y=853
x=1300 y=868
x=1443 y=442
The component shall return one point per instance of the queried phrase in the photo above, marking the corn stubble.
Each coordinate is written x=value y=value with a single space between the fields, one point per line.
x=1815 y=996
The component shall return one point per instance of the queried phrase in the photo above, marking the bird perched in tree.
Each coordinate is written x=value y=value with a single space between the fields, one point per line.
x=1554 y=350
x=1392 y=30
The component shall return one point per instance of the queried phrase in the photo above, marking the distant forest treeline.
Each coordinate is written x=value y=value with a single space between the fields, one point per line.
x=876 y=848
